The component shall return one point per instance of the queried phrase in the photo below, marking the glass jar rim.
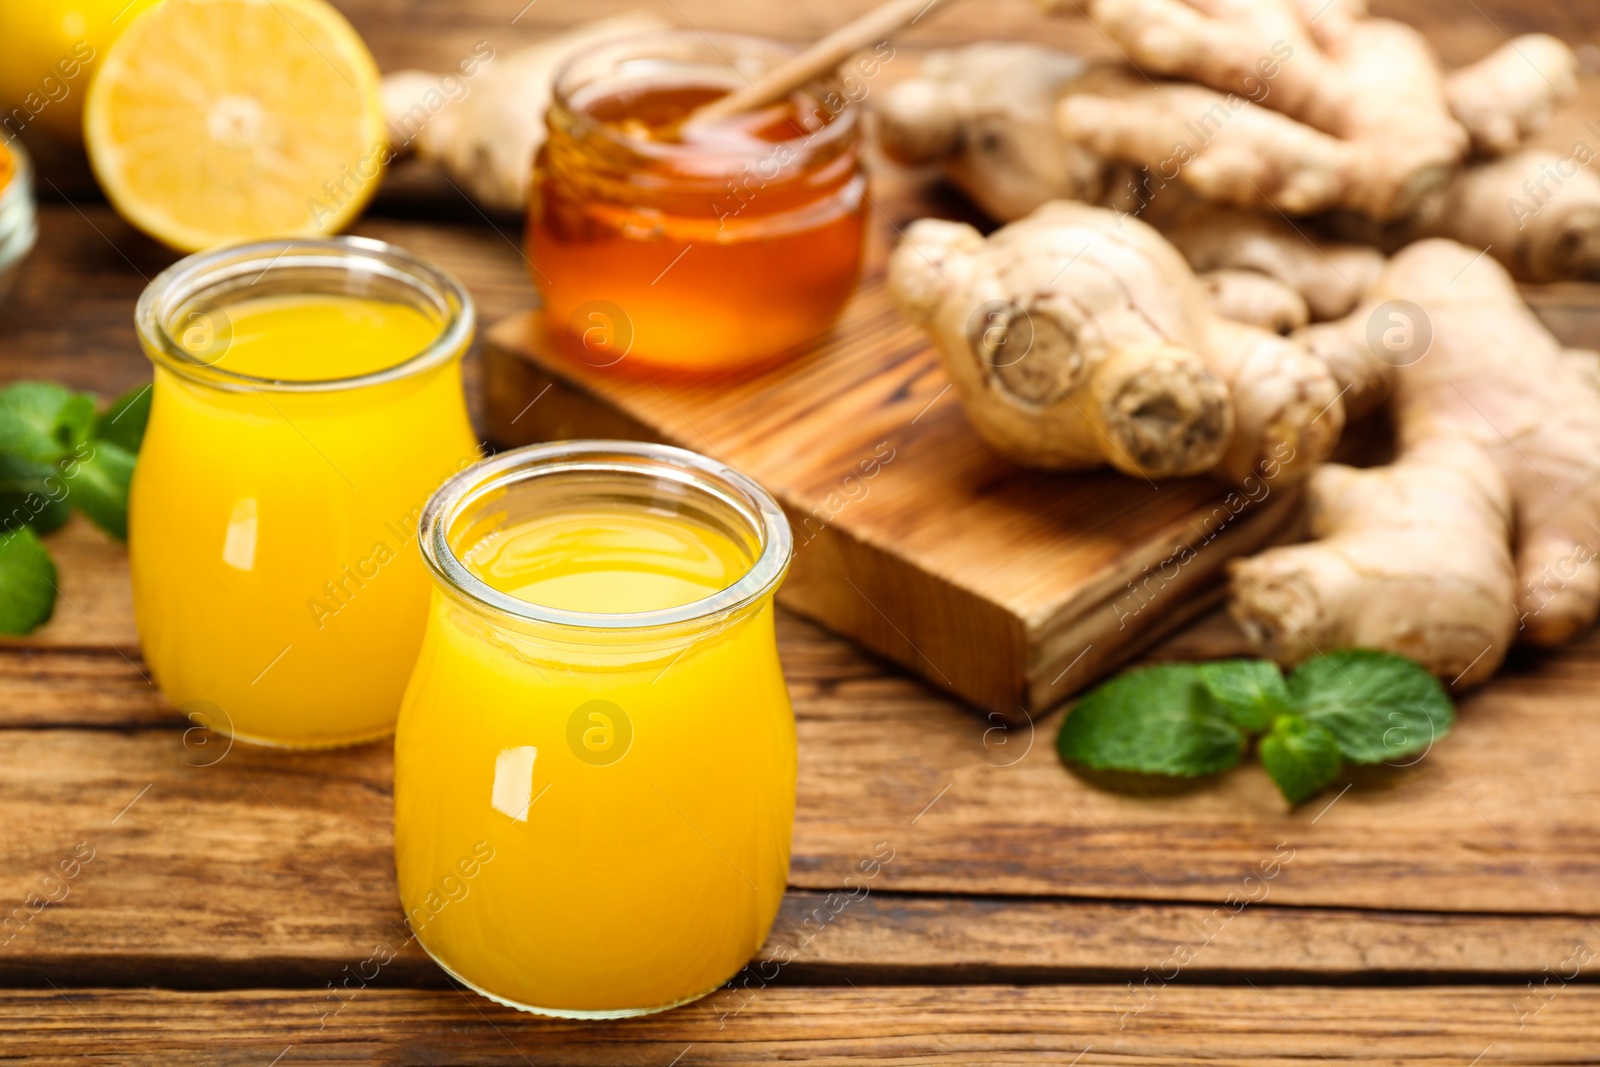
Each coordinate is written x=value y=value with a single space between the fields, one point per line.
x=766 y=520
x=188 y=277
x=842 y=124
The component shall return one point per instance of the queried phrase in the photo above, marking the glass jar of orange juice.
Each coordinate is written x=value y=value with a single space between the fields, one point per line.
x=687 y=248
x=595 y=762
x=307 y=400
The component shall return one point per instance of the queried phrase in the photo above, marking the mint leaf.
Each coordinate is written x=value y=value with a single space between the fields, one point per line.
x=124 y=421
x=41 y=422
x=1378 y=706
x=1151 y=721
x=27 y=582
x=33 y=509
x=1301 y=756
x=31 y=494
x=1250 y=693
x=20 y=476
x=100 y=488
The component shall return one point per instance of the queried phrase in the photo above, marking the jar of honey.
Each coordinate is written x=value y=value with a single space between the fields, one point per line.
x=689 y=247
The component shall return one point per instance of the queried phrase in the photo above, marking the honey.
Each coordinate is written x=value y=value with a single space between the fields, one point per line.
x=664 y=247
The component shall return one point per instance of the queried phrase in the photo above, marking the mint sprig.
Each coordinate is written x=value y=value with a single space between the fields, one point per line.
x=57 y=454
x=101 y=488
x=42 y=422
x=1356 y=705
x=1301 y=757
x=1250 y=692
x=1151 y=721
x=27 y=582
x=1378 y=705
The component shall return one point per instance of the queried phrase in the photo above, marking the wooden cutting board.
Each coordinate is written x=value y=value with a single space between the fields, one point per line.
x=1012 y=588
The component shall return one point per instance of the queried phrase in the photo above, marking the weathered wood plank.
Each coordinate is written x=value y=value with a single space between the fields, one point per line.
x=1086 y=1026
x=113 y=924
x=435 y=36
x=1498 y=817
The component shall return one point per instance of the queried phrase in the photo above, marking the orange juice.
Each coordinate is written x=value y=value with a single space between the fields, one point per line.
x=307 y=399
x=598 y=705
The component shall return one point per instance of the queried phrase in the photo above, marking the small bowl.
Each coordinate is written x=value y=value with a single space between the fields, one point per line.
x=19 y=223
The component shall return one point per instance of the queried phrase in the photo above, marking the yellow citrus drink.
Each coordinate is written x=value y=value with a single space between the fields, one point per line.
x=307 y=400
x=597 y=707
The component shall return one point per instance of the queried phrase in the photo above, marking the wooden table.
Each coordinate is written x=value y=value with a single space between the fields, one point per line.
x=237 y=899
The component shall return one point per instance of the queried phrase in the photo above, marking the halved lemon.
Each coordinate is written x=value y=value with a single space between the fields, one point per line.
x=213 y=121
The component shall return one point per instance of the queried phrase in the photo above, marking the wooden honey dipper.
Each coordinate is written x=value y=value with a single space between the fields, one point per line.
x=826 y=54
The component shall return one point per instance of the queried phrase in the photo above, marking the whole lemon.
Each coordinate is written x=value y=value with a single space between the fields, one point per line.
x=48 y=50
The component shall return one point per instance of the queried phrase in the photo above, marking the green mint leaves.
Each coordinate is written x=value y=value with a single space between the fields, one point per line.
x=1378 y=706
x=1249 y=692
x=57 y=454
x=27 y=582
x=41 y=422
x=1301 y=757
x=100 y=489
x=1153 y=722
x=1355 y=705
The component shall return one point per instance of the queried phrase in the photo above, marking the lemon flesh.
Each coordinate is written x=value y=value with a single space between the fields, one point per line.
x=214 y=121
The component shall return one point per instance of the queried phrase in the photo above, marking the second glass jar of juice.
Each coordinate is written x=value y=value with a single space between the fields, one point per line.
x=307 y=400
x=595 y=763
x=692 y=249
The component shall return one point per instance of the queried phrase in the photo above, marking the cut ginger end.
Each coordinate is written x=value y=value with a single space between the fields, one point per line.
x=215 y=121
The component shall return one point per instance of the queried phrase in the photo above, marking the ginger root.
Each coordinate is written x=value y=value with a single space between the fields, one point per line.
x=987 y=113
x=1266 y=130
x=1223 y=148
x=1509 y=94
x=1491 y=410
x=1076 y=338
x=1373 y=85
x=484 y=131
x=1332 y=277
x=1538 y=213
x=1412 y=558
x=1259 y=299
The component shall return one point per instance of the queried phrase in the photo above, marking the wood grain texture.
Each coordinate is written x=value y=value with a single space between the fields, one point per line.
x=1498 y=817
x=225 y=875
x=883 y=939
x=206 y=866
x=1086 y=1026
x=432 y=35
x=1009 y=587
